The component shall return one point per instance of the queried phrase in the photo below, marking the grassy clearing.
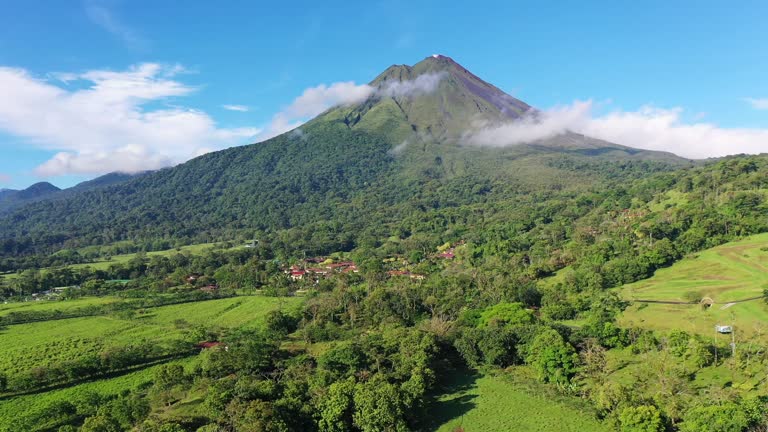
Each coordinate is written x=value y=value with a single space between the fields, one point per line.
x=670 y=198
x=195 y=249
x=44 y=343
x=22 y=406
x=62 y=305
x=508 y=402
x=727 y=273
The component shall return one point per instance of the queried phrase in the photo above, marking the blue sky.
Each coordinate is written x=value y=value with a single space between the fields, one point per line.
x=102 y=85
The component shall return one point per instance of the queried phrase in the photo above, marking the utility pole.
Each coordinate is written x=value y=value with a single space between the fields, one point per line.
x=733 y=337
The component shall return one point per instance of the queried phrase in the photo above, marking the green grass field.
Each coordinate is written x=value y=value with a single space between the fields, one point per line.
x=22 y=406
x=727 y=273
x=43 y=343
x=195 y=249
x=62 y=305
x=508 y=402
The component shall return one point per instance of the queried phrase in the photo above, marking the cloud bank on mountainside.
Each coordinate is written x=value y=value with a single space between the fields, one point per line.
x=315 y=100
x=649 y=128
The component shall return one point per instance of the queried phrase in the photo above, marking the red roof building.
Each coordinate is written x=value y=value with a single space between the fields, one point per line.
x=297 y=274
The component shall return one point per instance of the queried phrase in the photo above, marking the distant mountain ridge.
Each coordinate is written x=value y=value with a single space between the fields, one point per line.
x=11 y=199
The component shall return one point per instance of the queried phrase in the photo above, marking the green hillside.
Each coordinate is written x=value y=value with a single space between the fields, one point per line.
x=727 y=274
x=49 y=342
x=13 y=199
x=391 y=151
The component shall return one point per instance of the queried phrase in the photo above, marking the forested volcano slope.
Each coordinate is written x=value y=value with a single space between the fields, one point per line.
x=351 y=169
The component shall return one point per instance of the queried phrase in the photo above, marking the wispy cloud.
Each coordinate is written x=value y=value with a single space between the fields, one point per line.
x=104 y=125
x=649 y=128
x=539 y=126
x=312 y=102
x=315 y=100
x=425 y=83
x=759 y=103
x=5 y=178
x=100 y=14
x=240 y=108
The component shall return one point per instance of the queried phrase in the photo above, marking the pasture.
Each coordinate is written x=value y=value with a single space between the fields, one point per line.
x=48 y=342
x=20 y=407
x=62 y=305
x=725 y=274
x=195 y=249
x=508 y=402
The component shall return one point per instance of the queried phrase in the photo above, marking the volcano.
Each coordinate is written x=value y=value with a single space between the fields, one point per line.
x=402 y=147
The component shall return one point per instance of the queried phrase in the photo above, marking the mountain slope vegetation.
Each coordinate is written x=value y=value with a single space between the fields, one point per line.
x=12 y=199
x=328 y=176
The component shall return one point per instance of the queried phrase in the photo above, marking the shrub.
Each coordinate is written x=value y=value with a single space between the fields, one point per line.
x=643 y=418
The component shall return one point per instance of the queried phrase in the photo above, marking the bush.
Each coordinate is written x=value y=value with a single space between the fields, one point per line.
x=505 y=314
x=553 y=358
x=727 y=417
x=643 y=418
x=281 y=323
x=692 y=296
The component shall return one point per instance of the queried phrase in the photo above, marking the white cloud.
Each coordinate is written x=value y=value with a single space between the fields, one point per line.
x=399 y=149
x=298 y=133
x=541 y=125
x=425 y=83
x=102 y=16
x=760 y=104
x=312 y=102
x=315 y=100
x=103 y=123
x=280 y=124
x=240 y=108
x=649 y=128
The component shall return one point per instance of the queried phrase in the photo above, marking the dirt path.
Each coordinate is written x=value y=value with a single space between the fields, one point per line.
x=727 y=305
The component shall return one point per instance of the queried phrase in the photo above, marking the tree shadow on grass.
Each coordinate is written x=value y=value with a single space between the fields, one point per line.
x=451 y=401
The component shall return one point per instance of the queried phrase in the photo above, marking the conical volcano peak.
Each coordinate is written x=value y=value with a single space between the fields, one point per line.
x=441 y=59
x=436 y=63
x=436 y=95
